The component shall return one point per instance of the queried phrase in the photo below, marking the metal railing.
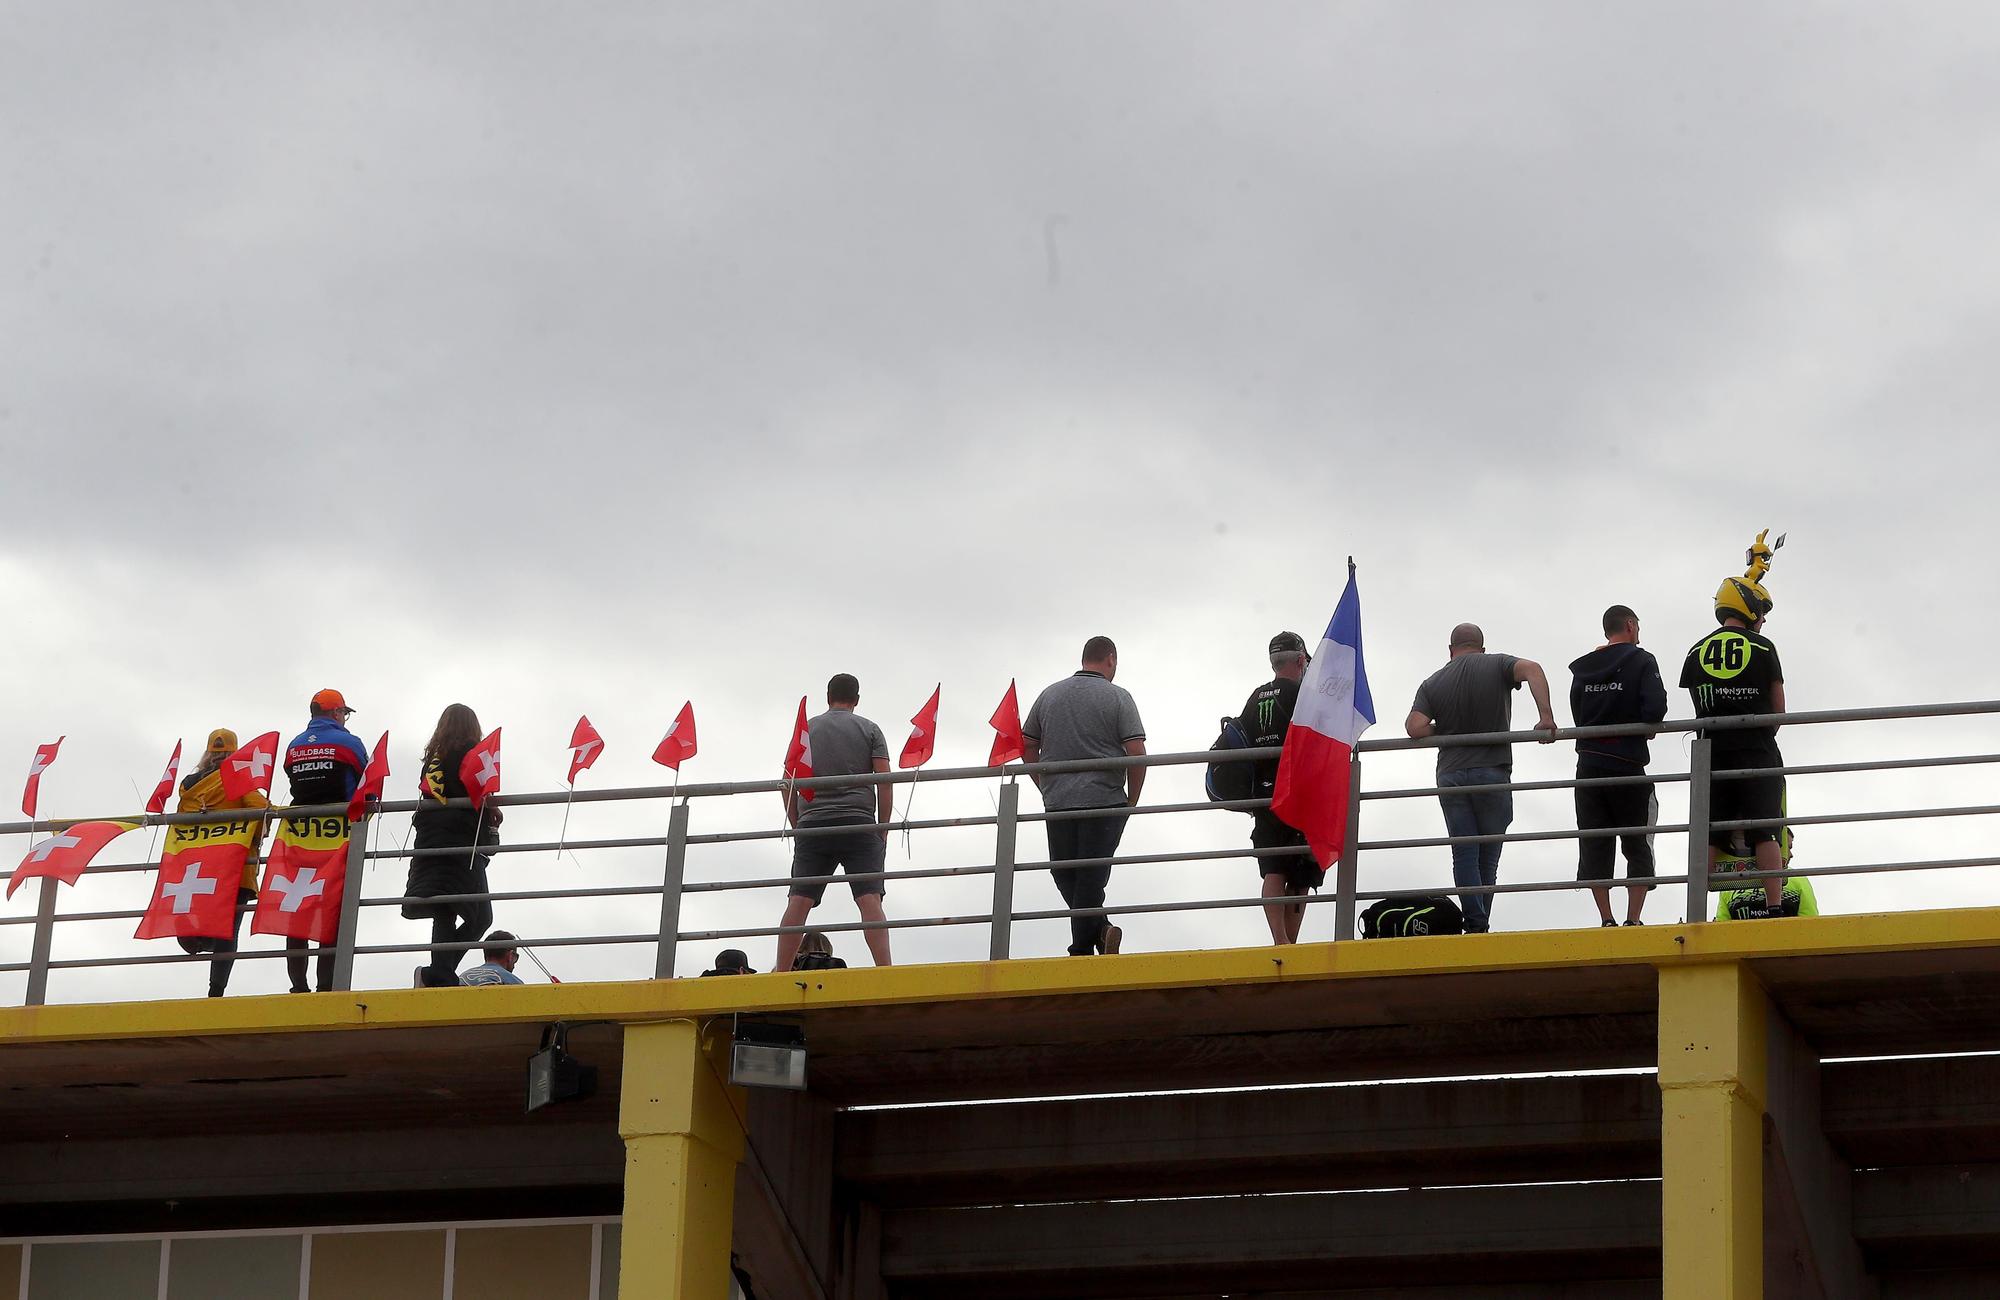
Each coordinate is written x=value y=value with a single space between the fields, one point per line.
x=681 y=845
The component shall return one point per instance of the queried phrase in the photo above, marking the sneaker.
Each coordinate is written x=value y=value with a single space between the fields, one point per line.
x=417 y=981
x=1635 y=923
x=1610 y=924
x=1113 y=936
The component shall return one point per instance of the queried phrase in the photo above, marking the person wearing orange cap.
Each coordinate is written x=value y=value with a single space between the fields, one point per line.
x=201 y=791
x=324 y=764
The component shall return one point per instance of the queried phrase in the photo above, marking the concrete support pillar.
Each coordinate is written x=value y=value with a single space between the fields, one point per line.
x=683 y=1139
x=1714 y=1021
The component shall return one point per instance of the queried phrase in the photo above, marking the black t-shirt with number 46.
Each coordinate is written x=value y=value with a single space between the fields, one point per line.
x=1730 y=673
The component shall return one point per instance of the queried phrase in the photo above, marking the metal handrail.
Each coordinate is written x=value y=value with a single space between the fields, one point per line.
x=1005 y=823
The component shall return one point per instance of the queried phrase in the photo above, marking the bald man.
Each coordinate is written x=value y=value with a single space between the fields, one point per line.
x=1473 y=695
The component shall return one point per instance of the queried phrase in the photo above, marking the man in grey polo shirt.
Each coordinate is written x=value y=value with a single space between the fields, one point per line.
x=843 y=744
x=1085 y=716
x=1472 y=695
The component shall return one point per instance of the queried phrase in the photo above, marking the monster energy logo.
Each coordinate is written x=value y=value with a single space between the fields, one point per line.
x=1706 y=694
x=1267 y=710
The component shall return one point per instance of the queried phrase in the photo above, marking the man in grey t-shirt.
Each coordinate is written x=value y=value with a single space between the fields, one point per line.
x=843 y=744
x=1085 y=716
x=1473 y=695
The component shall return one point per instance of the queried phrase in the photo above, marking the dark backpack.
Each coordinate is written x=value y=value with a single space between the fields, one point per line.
x=1392 y=918
x=1228 y=782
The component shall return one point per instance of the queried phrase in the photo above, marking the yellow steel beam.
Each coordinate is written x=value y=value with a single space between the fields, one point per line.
x=683 y=1131
x=1661 y=946
x=1714 y=1019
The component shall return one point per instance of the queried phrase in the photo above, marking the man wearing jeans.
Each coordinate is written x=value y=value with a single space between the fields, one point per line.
x=1085 y=716
x=1471 y=695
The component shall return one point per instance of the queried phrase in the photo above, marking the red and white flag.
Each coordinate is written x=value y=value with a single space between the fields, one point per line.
x=679 y=745
x=1006 y=724
x=584 y=747
x=480 y=770
x=303 y=880
x=922 y=743
x=251 y=767
x=373 y=777
x=64 y=855
x=1334 y=708
x=799 y=754
x=165 y=789
x=194 y=891
x=31 y=797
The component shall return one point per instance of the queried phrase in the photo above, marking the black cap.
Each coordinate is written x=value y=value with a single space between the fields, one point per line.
x=1291 y=641
x=733 y=959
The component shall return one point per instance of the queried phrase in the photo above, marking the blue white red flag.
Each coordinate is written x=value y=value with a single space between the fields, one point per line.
x=1334 y=708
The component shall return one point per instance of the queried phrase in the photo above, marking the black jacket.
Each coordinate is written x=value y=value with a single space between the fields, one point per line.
x=439 y=827
x=1610 y=685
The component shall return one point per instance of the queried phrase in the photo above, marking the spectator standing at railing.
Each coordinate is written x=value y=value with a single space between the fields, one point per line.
x=1473 y=695
x=843 y=743
x=467 y=833
x=324 y=765
x=201 y=791
x=1267 y=717
x=1086 y=716
x=1734 y=672
x=1616 y=684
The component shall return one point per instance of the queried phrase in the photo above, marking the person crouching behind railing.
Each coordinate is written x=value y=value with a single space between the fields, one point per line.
x=201 y=791
x=463 y=830
x=816 y=953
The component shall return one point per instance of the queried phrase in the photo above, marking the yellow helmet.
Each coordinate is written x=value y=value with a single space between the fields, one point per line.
x=1741 y=598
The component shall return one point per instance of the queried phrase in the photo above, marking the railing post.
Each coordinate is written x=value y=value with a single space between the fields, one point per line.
x=45 y=934
x=670 y=892
x=350 y=904
x=1005 y=835
x=1346 y=874
x=1700 y=764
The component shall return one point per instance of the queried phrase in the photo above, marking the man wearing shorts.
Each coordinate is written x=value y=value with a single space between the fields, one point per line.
x=1614 y=684
x=843 y=743
x=1267 y=716
x=1734 y=672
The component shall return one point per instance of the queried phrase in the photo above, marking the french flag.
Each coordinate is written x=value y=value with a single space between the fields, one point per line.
x=1334 y=708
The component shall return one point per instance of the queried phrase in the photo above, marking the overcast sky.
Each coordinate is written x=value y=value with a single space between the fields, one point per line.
x=591 y=358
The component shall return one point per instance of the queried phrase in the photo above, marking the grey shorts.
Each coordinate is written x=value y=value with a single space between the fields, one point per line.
x=821 y=855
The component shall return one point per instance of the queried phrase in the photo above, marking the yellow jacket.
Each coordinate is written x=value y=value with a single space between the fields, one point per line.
x=205 y=795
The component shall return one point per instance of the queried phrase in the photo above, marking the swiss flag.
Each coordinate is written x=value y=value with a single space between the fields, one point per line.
x=799 y=754
x=372 y=778
x=1006 y=724
x=194 y=894
x=250 y=768
x=584 y=747
x=480 y=769
x=64 y=855
x=679 y=746
x=918 y=748
x=31 y=797
x=165 y=789
x=304 y=878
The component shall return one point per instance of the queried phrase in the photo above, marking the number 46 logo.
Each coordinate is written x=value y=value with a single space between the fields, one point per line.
x=1726 y=654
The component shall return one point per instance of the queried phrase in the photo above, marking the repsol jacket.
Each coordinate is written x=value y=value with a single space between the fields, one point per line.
x=325 y=762
x=1616 y=684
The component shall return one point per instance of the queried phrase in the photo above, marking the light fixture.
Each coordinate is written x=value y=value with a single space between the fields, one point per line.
x=768 y=1054
x=554 y=1075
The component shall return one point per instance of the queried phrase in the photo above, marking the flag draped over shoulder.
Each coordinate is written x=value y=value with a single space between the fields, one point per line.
x=917 y=750
x=679 y=744
x=64 y=855
x=304 y=879
x=1006 y=724
x=1334 y=708
x=194 y=891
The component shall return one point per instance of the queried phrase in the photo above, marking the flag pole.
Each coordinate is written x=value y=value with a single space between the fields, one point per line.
x=563 y=834
x=916 y=775
x=530 y=955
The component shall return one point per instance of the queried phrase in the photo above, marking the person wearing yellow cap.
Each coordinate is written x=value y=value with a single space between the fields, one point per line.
x=1734 y=672
x=201 y=791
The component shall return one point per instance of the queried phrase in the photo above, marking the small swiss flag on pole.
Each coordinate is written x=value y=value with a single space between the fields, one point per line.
x=372 y=779
x=250 y=768
x=64 y=855
x=1006 y=724
x=165 y=789
x=917 y=750
x=481 y=770
x=679 y=745
x=31 y=797
x=799 y=754
x=584 y=747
